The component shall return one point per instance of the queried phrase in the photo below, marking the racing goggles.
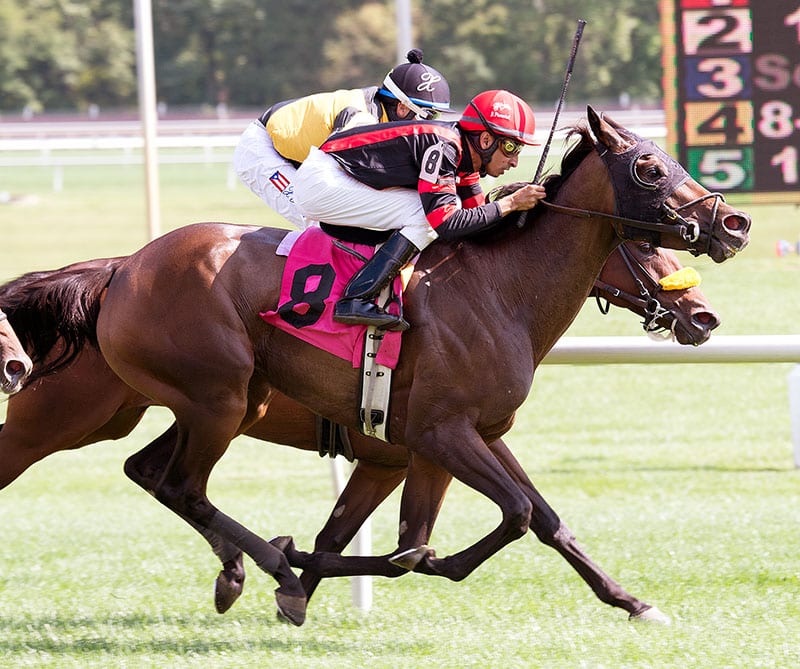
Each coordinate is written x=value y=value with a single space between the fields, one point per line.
x=422 y=113
x=509 y=147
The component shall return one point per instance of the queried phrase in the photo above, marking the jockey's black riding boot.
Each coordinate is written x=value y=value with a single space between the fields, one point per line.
x=357 y=307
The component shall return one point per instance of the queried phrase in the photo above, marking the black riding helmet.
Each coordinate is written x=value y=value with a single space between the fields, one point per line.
x=419 y=87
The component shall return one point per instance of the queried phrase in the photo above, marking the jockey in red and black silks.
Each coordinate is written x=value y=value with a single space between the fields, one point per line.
x=425 y=156
x=420 y=178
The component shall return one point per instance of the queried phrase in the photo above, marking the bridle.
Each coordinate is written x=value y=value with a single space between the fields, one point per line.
x=653 y=215
x=646 y=301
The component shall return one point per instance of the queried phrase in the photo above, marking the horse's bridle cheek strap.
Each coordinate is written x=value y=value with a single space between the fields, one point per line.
x=689 y=230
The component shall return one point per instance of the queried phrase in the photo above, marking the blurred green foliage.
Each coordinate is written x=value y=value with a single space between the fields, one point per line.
x=60 y=55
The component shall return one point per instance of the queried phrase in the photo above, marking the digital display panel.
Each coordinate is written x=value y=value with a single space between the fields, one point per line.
x=732 y=91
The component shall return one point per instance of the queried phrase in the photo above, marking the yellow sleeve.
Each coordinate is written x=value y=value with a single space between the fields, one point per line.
x=307 y=122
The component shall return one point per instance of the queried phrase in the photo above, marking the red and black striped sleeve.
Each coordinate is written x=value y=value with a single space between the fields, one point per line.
x=421 y=155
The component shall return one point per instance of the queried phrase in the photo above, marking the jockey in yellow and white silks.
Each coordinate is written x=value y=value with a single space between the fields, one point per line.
x=272 y=147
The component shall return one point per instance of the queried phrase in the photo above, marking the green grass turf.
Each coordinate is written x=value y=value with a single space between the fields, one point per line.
x=677 y=479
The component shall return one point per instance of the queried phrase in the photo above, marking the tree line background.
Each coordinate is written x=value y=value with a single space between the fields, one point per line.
x=59 y=55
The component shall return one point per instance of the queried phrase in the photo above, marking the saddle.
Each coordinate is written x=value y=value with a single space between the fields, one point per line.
x=320 y=262
x=346 y=233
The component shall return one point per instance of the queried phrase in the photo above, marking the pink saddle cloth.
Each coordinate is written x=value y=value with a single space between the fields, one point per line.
x=314 y=279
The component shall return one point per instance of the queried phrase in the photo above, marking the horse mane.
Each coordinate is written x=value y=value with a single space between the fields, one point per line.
x=573 y=157
x=57 y=308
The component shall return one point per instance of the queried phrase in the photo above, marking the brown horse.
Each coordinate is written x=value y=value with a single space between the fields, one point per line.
x=15 y=365
x=85 y=402
x=179 y=323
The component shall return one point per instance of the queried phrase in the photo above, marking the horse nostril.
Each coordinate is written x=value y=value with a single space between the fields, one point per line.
x=736 y=222
x=708 y=320
x=15 y=368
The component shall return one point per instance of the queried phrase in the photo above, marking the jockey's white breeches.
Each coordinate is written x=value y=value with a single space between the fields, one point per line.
x=325 y=192
x=267 y=173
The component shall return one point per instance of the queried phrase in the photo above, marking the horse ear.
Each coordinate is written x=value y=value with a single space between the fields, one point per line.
x=607 y=132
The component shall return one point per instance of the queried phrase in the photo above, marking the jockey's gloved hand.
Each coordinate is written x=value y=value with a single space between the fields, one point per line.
x=504 y=189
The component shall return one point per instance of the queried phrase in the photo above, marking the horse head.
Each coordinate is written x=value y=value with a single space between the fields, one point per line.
x=652 y=283
x=658 y=201
x=15 y=365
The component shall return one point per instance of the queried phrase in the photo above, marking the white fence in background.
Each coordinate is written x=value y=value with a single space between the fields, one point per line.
x=203 y=141
x=729 y=349
x=111 y=151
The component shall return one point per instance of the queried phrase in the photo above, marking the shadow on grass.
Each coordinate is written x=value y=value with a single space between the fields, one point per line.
x=163 y=634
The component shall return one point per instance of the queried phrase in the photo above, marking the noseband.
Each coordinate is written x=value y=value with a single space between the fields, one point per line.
x=646 y=300
x=649 y=213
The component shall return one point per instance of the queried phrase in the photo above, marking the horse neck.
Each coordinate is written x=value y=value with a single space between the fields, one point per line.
x=552 y=263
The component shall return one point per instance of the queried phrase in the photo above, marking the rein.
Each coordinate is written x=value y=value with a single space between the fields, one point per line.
x=646 y=300
x=688 y=230
x=632 y=212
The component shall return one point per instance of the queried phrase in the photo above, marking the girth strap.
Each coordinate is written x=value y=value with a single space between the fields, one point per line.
x=333 y=440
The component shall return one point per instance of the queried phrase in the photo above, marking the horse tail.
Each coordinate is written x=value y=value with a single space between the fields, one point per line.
x=54 y=313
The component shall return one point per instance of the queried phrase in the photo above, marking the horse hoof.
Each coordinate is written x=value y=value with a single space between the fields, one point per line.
x=651 y=615
x=226 y=591
x=290 y=608
x=412 y=557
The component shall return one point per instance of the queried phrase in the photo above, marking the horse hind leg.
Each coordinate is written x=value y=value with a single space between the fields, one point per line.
x=183 y=490
x=146 y=468
x=203 y=437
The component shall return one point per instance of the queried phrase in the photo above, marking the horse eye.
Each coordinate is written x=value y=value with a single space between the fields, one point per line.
x=646 y=248
x=651 y=171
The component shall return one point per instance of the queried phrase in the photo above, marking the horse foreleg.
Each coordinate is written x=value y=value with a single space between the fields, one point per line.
x=551 y=531
x=367 y=488
x=459 y=450
x=423 y=495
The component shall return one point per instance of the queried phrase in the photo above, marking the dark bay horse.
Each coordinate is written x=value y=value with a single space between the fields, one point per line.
x=85 y=402
x=15 y=365
x=179 y=324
